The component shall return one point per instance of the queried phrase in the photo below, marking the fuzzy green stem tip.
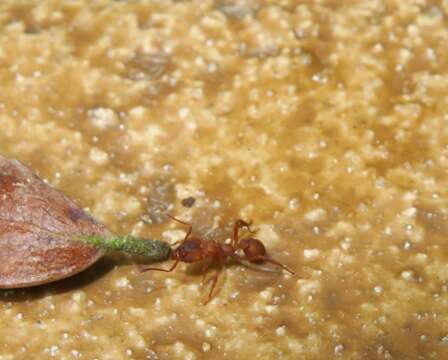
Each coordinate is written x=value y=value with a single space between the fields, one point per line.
x=155 y=250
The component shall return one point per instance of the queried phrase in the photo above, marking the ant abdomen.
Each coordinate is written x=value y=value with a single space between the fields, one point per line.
x=253 y=248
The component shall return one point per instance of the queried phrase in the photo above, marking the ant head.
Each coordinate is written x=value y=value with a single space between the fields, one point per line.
x=189 y=251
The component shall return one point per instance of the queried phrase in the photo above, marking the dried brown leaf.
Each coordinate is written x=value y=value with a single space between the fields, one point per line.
x=37 y=227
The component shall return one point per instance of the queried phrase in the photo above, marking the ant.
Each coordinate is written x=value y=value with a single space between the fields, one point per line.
x=194 y=249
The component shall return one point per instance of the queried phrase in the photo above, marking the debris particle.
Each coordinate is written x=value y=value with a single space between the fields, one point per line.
x=188 y=202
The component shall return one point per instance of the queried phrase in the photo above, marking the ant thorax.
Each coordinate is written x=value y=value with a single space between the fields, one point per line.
x=228 y=250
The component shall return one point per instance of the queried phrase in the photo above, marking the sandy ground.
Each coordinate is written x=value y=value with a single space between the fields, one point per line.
x=325 y=122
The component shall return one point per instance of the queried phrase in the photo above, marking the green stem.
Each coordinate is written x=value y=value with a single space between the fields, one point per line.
x=153 y=249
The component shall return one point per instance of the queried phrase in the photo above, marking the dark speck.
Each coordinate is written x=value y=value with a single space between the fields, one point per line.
x=32 y=30
x=188 y=202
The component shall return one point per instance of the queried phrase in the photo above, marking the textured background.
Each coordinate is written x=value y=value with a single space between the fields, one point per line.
x=323 y=121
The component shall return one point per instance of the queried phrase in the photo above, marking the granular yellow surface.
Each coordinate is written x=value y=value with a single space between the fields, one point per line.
x=325 y=122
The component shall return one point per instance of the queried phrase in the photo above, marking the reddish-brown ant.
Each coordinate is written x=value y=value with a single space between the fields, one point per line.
x=194 y=249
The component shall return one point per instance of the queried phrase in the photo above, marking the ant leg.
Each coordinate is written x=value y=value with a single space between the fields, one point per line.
x=160 y=269
x=175 y=243
x=187 y=235
x=205 y=268
x=266 y=259
x=239 y=224
x=214 y=281
x=284 y=267
x=179 y=221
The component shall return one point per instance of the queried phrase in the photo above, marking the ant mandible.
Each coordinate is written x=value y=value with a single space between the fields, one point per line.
x=194 y=249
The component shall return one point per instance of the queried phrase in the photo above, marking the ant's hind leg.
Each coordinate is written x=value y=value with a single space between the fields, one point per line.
x=266 y=259
x=284 y=267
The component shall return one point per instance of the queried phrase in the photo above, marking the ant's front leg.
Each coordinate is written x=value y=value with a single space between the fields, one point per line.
x=187 y=235
x=178 y=220
x=239 y=224
x=160 y=269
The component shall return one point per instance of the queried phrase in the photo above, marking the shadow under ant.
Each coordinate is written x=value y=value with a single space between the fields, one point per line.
x=197 y=270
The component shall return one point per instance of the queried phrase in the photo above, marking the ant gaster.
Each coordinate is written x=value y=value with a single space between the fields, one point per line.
x=194 y=249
